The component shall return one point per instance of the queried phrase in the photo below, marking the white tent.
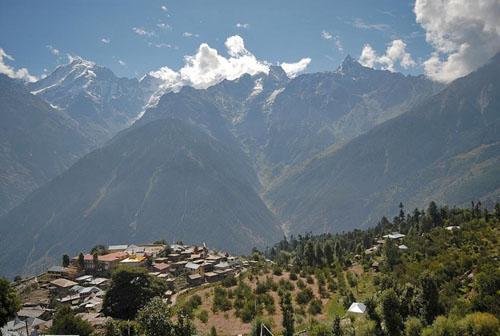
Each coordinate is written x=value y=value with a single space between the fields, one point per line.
x=357 y=308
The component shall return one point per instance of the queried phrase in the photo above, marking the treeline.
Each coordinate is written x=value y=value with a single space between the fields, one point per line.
x=447 y=281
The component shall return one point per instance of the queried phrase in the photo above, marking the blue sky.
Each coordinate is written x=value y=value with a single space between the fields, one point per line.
x=133 y=37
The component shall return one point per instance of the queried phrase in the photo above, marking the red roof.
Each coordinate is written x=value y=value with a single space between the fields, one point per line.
x=161 y=266
x=107 y=257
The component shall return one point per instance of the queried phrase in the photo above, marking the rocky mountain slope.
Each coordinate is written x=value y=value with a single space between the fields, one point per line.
x=165 y=179
x=446 y=149
x=37 y=142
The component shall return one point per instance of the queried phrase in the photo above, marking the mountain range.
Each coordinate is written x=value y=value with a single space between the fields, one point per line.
x=243 y=162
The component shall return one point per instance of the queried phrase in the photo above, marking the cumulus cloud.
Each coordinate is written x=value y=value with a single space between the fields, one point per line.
x=105 y=40
x=143 y=32
x=464 y=34
x=326 y=35
x=208 y=67
x=53 y=51
x=164 y=8
x=8 y=70
x=122 y=63
x=293 y=69
x=243 y=25
x=395 y=54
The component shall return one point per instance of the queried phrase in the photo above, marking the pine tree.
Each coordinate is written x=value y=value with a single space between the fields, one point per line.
x=65 y=260
x=287 y=310
x=336 y=330
x=81 y=261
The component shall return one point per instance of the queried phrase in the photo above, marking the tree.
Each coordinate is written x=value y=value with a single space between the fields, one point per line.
x=336 y=329
x=130 y=289
x=65 y=322
x=99 y=249
x=213 y=331
x=429 y=298
x=413 y=327
x=65 y=260
x=391 y=253
x=95 y=261
x=155 y=318
x=81 y=261
x=183 y=326
x=9 y=301
x=287 y=310
x=390 y=312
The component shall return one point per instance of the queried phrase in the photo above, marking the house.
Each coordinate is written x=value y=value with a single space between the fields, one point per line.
x=117 y=248
x=394 y=235
x=17 y=327
x=174 y=257
x=452 y=227
x=192 y=267
x=212 y=276
x=58 y=270
x=111 y=260
x=160 y=267
x=84 y=279
x=224 y=265
x=153 y=249
x=61 y=285
x=95 y=319
x=403 y=247
x=99 y=282
x=357 y=308
x=195 y=279
x=376 y=266
x=134 y=261
x=107 y=261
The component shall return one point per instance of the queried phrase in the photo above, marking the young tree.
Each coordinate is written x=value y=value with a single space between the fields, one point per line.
x=65 y=260
x=95 y=261
x=65 y=322
x=287 y=310
x=131 y=288
x=336 y=329
x=81 y=261
x=183 y=326
x=155 y=318
x=9 y=302
x=391 y=253
x=213 y=331
x=389 y=304
x=429 y=298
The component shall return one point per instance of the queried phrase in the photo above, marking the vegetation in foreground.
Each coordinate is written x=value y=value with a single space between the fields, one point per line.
x=446 y=282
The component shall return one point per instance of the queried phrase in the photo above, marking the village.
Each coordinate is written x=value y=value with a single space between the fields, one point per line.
x=82 y=281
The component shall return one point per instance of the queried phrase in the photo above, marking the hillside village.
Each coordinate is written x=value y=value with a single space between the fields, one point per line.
x=83 y=282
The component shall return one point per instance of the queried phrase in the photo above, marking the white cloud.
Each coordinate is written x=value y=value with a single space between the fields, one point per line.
x=207 y=67
x=293 y=69
x=164 y=26
x=236 y=46
x=122 y=63
x=53 y=51
x=188 y=34
x=143 y=32
x=105 y=40
x=394 y=54
x=465 y=34
x=8 y=70
x=243 y=25
x=326 y=35
x=164 y=8
x=361 y=24
x=338 y=44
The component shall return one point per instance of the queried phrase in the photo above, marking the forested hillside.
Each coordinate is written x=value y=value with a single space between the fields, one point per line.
x=441 y=278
